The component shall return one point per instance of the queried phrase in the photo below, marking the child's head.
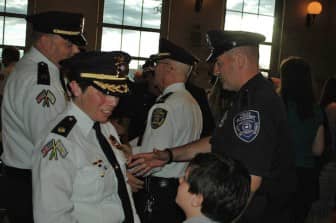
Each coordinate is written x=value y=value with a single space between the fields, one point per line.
x=218 y=186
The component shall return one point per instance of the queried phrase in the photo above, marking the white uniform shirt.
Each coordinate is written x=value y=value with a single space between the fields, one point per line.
x=79 y=185
x=28 y=107
x=176 y=121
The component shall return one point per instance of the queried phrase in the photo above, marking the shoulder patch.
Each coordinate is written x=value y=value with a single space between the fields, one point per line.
x=158 y=117
x=163 y=98
x=46 y=97
x=43 y=76
x=64 y=127
x=54 y=148
x=246 y=125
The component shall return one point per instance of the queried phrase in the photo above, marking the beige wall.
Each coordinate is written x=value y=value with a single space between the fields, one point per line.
x=311 y=42
x=186 y=27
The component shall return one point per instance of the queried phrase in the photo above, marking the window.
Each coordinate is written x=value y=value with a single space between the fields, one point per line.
x=132 y=26
x=13 y=24
x=254 y=16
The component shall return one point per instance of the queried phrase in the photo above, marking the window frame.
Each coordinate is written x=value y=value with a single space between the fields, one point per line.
x=15 y=15
x=276 y=37
x=164 y=15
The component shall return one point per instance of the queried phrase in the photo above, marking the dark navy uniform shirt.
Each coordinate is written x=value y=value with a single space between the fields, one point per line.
x=255 y=132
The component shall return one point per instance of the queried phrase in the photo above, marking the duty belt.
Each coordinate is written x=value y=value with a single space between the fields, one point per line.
x=151 y=185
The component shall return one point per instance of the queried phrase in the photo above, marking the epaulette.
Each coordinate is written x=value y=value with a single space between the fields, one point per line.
x=64 y=127
x=43 y=76
x=163 y=98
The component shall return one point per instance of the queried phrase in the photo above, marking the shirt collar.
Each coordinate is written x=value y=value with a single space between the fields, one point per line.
x=84 y=122
x=174 y=87
x=251 y=82
x=37 y=56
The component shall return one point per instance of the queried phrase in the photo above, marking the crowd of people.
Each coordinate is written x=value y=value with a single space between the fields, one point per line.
x=83 y=143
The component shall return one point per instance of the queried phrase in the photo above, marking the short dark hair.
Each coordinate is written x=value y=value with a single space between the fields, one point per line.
x=224 y=184
x=10 y=54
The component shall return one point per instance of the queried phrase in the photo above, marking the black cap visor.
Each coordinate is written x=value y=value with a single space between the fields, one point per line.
x=78 y=40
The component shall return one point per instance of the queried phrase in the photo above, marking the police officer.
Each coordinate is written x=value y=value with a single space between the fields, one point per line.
x=254 y=130
x=136 y=105
x=175 y=119
x=33 y=96
x=78 y=172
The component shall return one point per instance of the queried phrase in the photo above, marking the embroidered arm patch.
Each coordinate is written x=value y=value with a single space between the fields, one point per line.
x=246 y=125
x=54 y=148
x=158 y=117
x=46 y=98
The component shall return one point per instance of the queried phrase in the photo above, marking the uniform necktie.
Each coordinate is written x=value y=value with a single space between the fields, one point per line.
x=122 y=190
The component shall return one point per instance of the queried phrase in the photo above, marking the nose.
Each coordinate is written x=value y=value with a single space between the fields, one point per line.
x=112 y=100
x=74 y=49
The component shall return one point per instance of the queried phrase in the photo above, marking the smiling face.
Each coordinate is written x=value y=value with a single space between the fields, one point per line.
x=94 y=103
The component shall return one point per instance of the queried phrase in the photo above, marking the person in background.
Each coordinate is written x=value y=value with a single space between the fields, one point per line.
x=33 y=96
x=174 y=119
x=328 y=104
x=134 y=107
x=201 y=97
x=10 y=56
x=306 y=128
x=219 y=100
x=214 y=189
x=254 y=130
x=79 y=175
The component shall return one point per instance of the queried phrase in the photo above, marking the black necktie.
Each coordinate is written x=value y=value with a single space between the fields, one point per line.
x=122 y=190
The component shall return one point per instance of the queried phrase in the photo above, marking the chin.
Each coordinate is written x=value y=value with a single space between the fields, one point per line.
x=102 y=119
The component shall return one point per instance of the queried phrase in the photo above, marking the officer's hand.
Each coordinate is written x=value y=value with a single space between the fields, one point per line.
x=134 y=182
x=126 y=149
x=142 y=163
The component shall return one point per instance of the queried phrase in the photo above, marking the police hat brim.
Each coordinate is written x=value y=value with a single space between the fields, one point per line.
x=220 y=41
x=78 y=40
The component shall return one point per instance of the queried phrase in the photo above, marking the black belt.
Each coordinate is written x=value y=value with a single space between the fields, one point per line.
x=152 y=182
x=16 y=172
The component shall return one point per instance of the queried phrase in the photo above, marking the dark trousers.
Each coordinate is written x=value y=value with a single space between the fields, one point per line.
x=18 y=194
x=266 y=209
x=307 y=191
x=156 y=202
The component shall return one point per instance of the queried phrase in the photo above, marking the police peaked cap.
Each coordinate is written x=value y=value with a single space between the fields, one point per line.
x=106 y=71
x=220 y=41
x=66 y=24
x=168 y=49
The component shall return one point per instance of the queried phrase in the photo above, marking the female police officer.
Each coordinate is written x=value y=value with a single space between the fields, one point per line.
x=78 y=174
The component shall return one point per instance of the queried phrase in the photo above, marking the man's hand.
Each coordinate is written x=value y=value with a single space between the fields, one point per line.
x=134 y=182
x=142 y=163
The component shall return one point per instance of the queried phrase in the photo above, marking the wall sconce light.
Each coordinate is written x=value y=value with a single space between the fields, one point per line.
x=314 y=8
x=198 y=5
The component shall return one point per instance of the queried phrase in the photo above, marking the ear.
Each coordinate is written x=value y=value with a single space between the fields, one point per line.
x=240 y=59
x=75 y=89
x=197 y=200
